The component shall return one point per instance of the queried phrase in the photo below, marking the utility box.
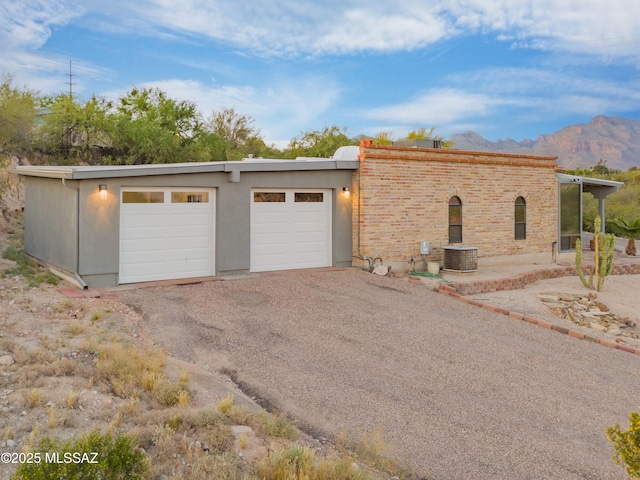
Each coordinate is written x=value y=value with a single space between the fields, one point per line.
x=461 y=259
x=424 y=248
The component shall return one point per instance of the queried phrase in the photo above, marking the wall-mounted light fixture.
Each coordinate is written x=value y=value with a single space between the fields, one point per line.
x=103 y=191
x=345 y=192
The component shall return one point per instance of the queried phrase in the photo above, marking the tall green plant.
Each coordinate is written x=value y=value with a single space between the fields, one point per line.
x=602 y=260
x=630 y=228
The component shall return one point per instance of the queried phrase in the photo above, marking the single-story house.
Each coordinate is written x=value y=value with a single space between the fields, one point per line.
x=109 y=225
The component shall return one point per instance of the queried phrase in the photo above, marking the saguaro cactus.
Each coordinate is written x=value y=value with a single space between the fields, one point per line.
x=602 y=260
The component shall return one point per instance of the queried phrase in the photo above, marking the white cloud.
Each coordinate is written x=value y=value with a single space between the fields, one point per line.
x=288 y=27
x=436 y=107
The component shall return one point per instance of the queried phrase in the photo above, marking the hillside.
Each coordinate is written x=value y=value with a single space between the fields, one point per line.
x=615 y=140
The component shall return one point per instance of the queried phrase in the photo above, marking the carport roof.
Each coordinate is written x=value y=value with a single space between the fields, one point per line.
x=246 y=165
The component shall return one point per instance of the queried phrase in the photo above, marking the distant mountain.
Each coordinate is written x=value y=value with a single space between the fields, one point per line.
x=615 y=140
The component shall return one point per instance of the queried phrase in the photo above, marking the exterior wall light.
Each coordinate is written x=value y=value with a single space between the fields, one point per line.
x=345 y=192
x=103 y=191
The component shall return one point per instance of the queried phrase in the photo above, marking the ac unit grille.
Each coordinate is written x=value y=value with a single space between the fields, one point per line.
x=461 y=259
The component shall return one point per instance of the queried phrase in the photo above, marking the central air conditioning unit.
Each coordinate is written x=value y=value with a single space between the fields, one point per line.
x=461 y=259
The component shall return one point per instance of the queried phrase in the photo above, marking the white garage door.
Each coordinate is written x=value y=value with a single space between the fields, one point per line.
x=166 y=233
x=290 y=229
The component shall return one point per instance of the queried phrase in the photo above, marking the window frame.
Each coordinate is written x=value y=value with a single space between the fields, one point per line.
x=455 y=227
x=520 y=226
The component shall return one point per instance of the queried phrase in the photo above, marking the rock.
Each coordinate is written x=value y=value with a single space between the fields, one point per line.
x=614 y=331
x=547 y=297
x=6 y=360
x=11 y=443
x=597 y=326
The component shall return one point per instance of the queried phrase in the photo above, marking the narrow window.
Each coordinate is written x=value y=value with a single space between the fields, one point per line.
x=271 y=197
x=455 y=220
x=189 y=197
x=309 y=197
x=142 y=197
x=521 y=218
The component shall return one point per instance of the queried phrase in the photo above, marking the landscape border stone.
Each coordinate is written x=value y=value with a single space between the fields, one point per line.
x=459 y=290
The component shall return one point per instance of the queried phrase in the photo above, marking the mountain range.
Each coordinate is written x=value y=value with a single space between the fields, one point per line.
x=612 y=140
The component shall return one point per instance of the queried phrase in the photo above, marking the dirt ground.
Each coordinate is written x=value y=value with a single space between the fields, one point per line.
x=462 y=391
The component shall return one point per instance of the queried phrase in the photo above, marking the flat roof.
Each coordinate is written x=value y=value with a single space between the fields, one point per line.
x=598 y=182
x=245 y=165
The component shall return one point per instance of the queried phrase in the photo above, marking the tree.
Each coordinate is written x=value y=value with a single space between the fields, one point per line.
x=149 y=127
x=75 y=130
x=318 y=143
x=17 y=115
x=238 y=132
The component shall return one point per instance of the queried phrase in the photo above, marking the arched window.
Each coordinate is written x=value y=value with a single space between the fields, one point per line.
x=455 y=220
x=520 y=218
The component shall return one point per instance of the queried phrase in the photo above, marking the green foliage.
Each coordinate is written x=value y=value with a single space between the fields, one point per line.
x=74 y=131
x=603 y=260
x=116 y=458
x=149 y=127
x=629 y=228
x=27 y=267
x=626 y=445
x=240 y=136
x=318 y=143
x=422 y=134
x=17 y=115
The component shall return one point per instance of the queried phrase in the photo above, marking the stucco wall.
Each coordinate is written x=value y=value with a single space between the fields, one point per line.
x=404 y=197
x=50 y=221
x=50 y=217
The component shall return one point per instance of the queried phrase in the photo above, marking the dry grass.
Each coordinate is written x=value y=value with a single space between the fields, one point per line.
x=33 y=398
x=72 y=399
x=125 y=367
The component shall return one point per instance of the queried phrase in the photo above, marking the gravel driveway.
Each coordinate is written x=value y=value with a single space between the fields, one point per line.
x=463 y=392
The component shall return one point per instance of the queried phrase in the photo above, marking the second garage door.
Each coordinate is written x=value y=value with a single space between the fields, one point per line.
x=290 y=229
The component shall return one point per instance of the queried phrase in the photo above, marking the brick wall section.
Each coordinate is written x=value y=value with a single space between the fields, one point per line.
x=404 y=198
x=520 y=281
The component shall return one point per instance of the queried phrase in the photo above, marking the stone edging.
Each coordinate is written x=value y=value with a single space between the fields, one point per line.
x=520 y=281
x=452 y=292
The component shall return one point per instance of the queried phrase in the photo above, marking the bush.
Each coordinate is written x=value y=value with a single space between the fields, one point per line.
x=27 y=267
x=91 y=457
x=626 y=444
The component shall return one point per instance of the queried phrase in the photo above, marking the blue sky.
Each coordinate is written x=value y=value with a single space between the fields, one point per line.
x=502 y=68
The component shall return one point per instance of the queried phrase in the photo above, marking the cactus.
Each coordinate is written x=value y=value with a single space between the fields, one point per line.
x=602 y=260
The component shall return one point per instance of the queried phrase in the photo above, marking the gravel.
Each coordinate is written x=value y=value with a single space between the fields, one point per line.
x=461 y=392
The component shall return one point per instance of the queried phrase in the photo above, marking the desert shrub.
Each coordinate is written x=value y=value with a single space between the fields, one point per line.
x=116 y=458
x=125 y=367
x=225 y=404
x=293 y=462
x=169 y=393
x=219 y=438
x=205 y=418
x=221 y=467
x=626 y=445
x=276 y=426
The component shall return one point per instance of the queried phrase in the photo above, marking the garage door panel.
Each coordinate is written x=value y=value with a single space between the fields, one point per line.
x=167 y=240
x=291 y=234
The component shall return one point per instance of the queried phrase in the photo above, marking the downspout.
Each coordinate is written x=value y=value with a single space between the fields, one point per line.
x=76 y=279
